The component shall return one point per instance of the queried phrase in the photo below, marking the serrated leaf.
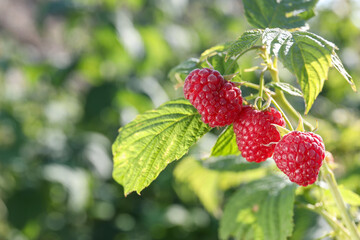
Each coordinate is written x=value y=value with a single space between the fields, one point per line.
x=340 y=67
x=288 y=88
x=195 y=173
x=226 y=144
x=306 y=55
x=286 y=14
x=244 y=43
x=179 y=73
x=145 y=146
x=268 y=203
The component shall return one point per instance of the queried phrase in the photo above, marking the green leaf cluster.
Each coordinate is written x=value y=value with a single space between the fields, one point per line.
x=262 y=209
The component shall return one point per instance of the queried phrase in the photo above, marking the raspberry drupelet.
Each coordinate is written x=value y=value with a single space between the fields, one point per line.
x=218 y=101
x=255 y=136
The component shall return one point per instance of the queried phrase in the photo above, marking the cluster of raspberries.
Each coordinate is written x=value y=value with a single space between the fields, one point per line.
x=298 y=154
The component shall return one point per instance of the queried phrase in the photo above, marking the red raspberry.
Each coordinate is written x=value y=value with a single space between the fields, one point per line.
x=218 y=101
x=299 y=155
x=255 y=134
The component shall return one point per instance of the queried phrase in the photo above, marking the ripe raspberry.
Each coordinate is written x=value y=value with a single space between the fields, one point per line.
x=218 y=101
x=254 y=133
x=299 y=155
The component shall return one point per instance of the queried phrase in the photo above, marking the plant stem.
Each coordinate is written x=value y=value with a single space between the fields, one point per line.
x=261 y=89
x=283 y=114
x=329 y=177
x=336 y=225
x=280 y=97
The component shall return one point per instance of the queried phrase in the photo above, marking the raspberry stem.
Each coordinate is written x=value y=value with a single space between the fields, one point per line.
x=261 y=89
x=282 y=113
x=280 y=97
x=336 y=225
x=329 y=177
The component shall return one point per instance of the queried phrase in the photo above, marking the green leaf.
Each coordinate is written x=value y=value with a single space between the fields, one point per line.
x=349 y=196
x=226 y=144
x=262 y=209
x=178 y=74
x=244 y=43
x=285 y=87
x=221 y=48
x=195 y=174
x=154 y=139
x=279 y=13
x=306 y=55
x=340 y=67
x=218 y=63
x=216 y=57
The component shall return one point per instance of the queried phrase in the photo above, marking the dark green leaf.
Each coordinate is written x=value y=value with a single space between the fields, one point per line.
x=305 y=54
x=282 y=14
x=244 y=43
x=226 y=144
x=179 y=73
x=154 y=139
x=262 y=209
x=288 y=88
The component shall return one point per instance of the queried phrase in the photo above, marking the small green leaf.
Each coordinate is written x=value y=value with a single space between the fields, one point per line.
x=283 y=131
x=244 y=43
x=282 y=14
x=226 y=144
x=306 y=55
x=218 y=62
x=288 y=88
x=300 y=126
x=154 y=139
x=214 y=51
x=349 y=196
x=262 y=209
x=179 y=73
x=229 y=163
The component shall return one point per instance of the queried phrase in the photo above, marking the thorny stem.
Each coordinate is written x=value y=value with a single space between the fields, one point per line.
x=329 y=177
x=335 y=224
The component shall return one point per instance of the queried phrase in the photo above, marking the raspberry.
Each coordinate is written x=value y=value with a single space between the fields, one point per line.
x=218 y=101
x=255 y=134
x=299 y=155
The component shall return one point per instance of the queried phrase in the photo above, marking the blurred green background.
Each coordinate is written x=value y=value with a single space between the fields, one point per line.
x=73 y=71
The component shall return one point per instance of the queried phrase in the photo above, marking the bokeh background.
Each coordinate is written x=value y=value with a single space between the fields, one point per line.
x=73 y=71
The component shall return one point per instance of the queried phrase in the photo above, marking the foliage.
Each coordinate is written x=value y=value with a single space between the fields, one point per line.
x=72 y=72
x=155 y=136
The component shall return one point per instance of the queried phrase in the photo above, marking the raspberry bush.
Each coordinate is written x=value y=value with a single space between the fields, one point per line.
x=273 y=168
